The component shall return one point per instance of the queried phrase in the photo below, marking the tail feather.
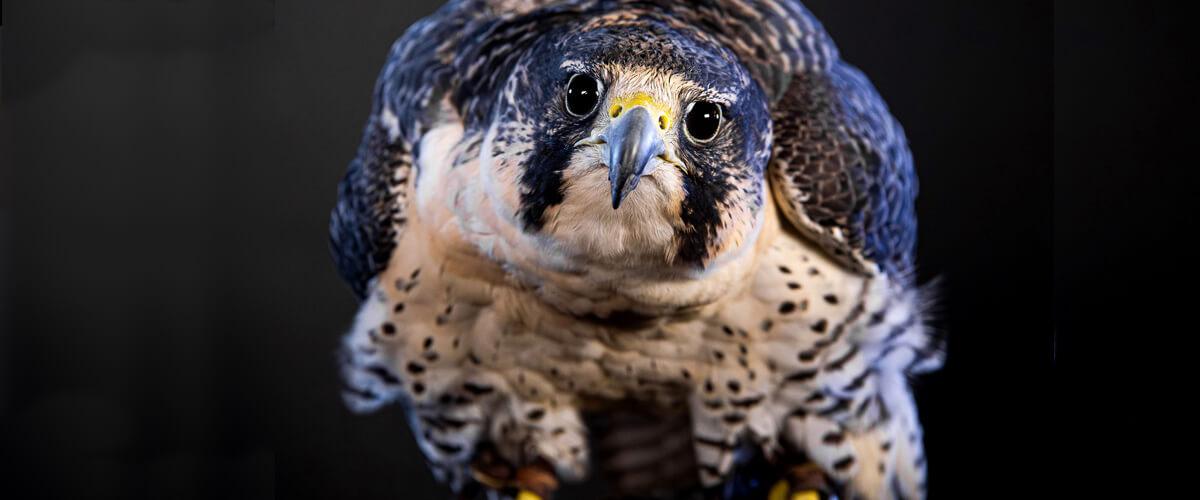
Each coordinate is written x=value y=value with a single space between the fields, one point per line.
x=932 y=355
x=644 y=456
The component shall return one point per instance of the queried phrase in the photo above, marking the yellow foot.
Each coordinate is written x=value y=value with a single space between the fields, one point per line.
x=528 y=495
x=535 y=481
x=801 y=482
x=783 y=487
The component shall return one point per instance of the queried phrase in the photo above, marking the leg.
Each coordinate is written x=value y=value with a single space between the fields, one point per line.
x=535 y=481
x=802 y=482
x=531 y=443
x=884 y=462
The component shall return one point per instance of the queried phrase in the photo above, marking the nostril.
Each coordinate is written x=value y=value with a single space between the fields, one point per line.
x=616 y=111
x=662 y=122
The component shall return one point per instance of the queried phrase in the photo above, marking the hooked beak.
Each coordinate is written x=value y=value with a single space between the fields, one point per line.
x=633 y=140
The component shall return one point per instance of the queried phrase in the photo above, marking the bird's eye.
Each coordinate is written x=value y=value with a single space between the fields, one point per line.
x=702 y=121
x=583 y=92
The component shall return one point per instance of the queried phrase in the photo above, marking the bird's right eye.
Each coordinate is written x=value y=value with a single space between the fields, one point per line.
x=583 y=93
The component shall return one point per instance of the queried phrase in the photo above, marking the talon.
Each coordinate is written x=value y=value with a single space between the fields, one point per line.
x=528 y=495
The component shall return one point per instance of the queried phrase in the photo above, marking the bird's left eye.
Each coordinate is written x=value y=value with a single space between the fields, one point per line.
x=583 y=92
x=702 y=121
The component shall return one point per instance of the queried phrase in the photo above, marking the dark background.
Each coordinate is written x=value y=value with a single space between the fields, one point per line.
x=169 y=308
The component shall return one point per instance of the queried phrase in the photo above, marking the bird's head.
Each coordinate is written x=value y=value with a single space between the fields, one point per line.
x=631 y=143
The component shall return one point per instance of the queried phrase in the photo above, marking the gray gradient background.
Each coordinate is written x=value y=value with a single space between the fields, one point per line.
x=170 y=309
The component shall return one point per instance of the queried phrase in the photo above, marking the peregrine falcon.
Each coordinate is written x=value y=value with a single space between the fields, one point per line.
x=666 y=242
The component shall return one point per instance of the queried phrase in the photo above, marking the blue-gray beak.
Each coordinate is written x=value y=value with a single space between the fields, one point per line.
x=633 y=140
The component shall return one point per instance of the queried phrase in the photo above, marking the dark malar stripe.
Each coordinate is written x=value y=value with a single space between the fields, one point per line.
x=543 y=182
x=701 y=217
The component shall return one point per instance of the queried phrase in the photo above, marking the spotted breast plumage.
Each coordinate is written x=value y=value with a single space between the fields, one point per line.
x=667 y=242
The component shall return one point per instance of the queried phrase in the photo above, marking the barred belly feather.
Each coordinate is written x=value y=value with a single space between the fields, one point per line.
x=804 y=357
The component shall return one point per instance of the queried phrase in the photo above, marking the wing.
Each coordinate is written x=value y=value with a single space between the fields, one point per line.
x=371 y=210
x=841 y=170
x=446 y=66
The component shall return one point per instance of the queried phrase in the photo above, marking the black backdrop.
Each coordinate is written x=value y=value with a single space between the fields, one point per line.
x=170 y=310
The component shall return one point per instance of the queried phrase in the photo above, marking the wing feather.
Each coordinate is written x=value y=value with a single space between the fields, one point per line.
x=841 y=169
x=371 y=209
x=842 y=172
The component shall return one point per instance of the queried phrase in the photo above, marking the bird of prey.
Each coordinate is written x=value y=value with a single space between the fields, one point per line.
x=668 y=243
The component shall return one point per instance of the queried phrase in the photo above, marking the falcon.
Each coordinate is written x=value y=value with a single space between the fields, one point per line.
x=670 y=243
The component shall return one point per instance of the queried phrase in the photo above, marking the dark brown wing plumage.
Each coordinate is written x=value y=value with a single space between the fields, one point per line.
x=842 y=171
x=370 y=210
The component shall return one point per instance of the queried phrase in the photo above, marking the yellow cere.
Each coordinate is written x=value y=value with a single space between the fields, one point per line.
x=657 y=108
x=527 y=495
